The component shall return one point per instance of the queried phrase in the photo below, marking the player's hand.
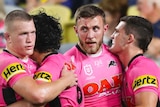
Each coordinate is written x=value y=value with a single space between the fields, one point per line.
x=68 y=72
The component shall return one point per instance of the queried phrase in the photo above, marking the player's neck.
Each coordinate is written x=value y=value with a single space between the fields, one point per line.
x=128 y=55
x=96 y=54
x=22 y=57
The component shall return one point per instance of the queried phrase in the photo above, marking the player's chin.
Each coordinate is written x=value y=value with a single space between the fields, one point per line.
x=92 y=50
x=29 y=52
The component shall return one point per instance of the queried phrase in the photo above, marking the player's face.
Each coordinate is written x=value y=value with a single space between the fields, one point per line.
x=119 y=39
x=21 y=38
x=90 y=32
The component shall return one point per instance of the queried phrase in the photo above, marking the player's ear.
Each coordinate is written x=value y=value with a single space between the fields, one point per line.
x=131 y=38
x=105 y=27
x=75 y=29
x=7 y=37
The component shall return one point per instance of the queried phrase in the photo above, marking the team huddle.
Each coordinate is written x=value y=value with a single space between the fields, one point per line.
x=90 y=74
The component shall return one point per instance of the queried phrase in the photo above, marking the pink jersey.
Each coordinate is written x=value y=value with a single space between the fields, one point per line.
x=12 y=69
x=50 y=70
x=100 y=76
x=141 y=75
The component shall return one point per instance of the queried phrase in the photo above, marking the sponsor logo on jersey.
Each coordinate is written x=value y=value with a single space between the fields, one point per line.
x=105 y=85
x=70 y=66
x=98 y=63
x=12 y=70
x=88 y=69
x=143 y=81
x=43 y=76
x=112 y=63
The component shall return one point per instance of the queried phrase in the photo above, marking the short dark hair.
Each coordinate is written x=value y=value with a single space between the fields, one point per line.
x=48 y=33
x=89 y=11
x=141 y=28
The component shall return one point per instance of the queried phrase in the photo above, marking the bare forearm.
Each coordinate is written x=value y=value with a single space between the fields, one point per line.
x=43 y=93
x=54 y=89
x=21 y=103
x=24 y=103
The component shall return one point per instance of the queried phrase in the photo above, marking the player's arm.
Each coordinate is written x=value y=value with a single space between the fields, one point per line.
x=146 y=99
x=23 y=103
x=45 y=92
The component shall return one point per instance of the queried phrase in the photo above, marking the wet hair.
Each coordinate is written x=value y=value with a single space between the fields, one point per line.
x=89 y=11
x=48 y=33
x=15 y=15
x=141 y=28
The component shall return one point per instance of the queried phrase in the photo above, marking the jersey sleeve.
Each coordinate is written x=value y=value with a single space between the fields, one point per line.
x=12 y=71
x=144 y=80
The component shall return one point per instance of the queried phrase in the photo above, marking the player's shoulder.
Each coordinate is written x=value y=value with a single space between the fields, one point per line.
x=143 y=60
x=106 y=51
x=55 y=58
x=71 y=51
x=8 y=58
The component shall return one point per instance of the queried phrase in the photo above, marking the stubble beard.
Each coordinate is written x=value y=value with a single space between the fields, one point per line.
x=93 y=50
